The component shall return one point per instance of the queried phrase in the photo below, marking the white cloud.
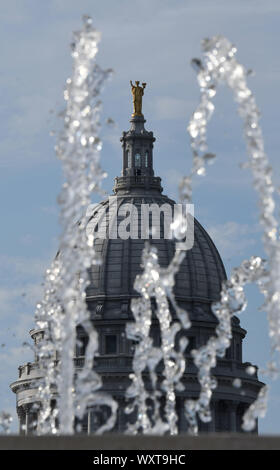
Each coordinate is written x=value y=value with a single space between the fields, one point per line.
x=20 y=290
x=30 y=115
x=21 y=268
x=113 y=137
x=232 y=238
x=167 y=107
x=11 y=298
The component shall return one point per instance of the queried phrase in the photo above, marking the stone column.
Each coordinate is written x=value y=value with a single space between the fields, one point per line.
x=22 y=419
x=232 y=406
x=121 y=416
x=26 y=420
x=182 y=421
x=212 y=424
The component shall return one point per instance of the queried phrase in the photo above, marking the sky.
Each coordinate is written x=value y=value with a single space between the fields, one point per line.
x=151 y=41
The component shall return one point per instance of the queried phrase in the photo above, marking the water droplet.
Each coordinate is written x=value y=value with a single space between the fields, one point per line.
x=250 y=370
x=110 y=122
x=237 y=383
x=197 y=65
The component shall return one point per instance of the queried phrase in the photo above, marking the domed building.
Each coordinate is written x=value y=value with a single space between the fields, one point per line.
x=198 y=284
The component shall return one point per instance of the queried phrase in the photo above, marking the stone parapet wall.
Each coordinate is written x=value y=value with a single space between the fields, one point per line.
x=125 y=442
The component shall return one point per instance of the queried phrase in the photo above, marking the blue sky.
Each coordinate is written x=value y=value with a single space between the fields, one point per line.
x=151 y=41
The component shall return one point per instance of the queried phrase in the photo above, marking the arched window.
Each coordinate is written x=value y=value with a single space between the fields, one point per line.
x=146 y=158
x=110 y=344
x=137 y=160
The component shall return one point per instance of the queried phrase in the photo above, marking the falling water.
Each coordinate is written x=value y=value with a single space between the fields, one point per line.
x=232 y=302
x=47 y=315
x=64 y=304
x=156 y=282
x=220 y=65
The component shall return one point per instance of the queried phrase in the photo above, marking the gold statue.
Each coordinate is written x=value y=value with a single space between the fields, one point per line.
x=137 y=92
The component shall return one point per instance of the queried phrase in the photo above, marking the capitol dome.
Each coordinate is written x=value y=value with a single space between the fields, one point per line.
x=198 y=284
x=200 y=275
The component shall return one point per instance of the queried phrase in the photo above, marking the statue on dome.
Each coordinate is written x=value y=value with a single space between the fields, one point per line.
x=137 y=93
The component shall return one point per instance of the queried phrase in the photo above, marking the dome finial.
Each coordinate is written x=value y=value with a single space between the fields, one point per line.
x=137 y=93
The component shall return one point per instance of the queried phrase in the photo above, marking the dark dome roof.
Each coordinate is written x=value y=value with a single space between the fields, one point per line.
x=200 y=275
